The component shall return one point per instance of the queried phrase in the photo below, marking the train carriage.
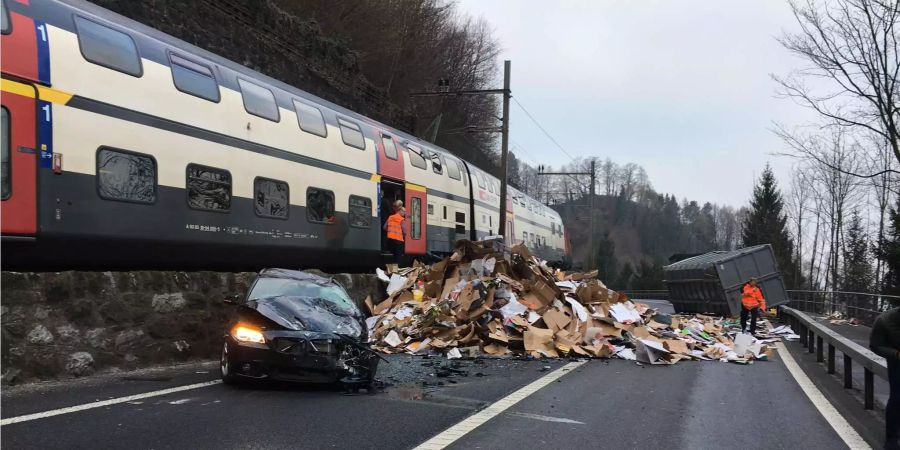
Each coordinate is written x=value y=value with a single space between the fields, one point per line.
x=124 y=147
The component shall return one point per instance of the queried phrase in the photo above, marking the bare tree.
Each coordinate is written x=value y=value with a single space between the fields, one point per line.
x=797 y=206
x=853 y=44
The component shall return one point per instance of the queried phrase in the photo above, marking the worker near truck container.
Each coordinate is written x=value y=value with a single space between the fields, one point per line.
x=395 y=228
x=752 y=302
x=885 y=341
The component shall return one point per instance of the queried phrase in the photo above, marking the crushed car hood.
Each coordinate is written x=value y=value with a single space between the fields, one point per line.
x=309 y=314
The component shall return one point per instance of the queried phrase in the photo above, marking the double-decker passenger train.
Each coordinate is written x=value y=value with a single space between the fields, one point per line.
x=124 y=147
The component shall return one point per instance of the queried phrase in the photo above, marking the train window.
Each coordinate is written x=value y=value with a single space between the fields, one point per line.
x=310 y=119
x=460 y=217
x=126 y=176
x=483 y=219
x=553 y=228
x=445 y=213
x=4 y=148
x=462 y=170
x=351 y=135
x=436 y=164
x=461 y=229
x=416 y=158
x=259 y=101
x=5 y=23
x=415 y=219
x=544 y=241
x=390 y=150
x=453 y=170
x=208 y=188
x=490 y=185
x=194 y=78
x=430 y=209
x=272 y=198
x=107 y=47
x=360 y=212
x=319 y=205
x=524 y=236
x=531 y=235
x=479 y=177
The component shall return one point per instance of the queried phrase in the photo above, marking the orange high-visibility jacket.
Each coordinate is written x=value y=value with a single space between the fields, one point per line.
x=751 y=297
x=394 y=227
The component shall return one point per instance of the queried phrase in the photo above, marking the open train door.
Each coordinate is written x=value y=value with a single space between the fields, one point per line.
x=415 y=215
x=18 y=177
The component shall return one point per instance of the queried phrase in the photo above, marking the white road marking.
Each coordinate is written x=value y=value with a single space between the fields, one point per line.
x=179 y=402
x=544 y=418
x=828 y=411
x=100 y=404
x=450 y=435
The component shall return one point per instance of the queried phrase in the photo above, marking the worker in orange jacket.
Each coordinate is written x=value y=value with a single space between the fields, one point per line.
x=395 y=227
x=751 y=302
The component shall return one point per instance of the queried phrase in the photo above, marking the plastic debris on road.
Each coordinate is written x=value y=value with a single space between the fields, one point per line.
x=489 y=300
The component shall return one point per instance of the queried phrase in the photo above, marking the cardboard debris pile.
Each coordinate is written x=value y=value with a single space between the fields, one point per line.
x=836 y=318
x=488 y=300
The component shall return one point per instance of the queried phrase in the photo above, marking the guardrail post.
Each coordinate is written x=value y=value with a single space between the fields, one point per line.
x=848 y=372
x=810 y=337
x=830 y=358
x=870 y=389
x=803 y=335
x=819 y=357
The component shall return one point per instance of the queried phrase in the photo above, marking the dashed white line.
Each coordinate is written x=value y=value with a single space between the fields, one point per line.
x=102 y=403
x=828 y=411
x=450 y=435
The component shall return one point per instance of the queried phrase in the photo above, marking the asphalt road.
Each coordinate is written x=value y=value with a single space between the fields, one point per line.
x=601 y=404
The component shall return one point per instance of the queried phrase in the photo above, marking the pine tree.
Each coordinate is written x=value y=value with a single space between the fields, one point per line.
x=625 y=276
x=606 y=258
x=766 y=223
x=857 y=273
x=888 y=250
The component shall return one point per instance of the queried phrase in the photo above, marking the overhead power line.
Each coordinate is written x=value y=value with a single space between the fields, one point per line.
x=543 y=130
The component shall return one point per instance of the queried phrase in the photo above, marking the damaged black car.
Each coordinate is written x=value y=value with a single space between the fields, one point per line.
x=301 y=327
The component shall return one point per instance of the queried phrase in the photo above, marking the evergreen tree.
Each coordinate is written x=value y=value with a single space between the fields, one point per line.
x=766 y=223
x=649 y=277
x=857 y=273
x=888 y=250
x=606 y=258
x=623 y=283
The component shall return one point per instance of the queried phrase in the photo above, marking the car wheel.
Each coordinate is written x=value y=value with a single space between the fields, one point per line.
x=228 y=376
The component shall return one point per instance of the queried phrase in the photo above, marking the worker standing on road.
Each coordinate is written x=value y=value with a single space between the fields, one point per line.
x=751 y=301
x=885 y=341
x=395 y=227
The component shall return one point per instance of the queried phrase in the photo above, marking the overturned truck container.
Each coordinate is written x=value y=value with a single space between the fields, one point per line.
x=712 y=282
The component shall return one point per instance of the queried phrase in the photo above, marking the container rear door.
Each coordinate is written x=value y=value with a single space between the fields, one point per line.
x=19 y=169
x=416 y=200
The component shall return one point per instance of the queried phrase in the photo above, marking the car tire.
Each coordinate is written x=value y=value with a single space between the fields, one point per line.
x=228 y=375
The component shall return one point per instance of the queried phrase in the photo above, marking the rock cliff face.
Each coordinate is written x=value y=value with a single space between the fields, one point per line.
x=73 y=323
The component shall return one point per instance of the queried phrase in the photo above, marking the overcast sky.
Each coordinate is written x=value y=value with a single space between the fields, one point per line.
x=681 y=88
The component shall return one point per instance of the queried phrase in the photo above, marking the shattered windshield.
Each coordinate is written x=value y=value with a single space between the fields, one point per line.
x=327 y=296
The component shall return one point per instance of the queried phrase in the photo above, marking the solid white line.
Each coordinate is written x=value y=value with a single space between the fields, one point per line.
x=831 y=415
x=100 y=404
x=450 y=435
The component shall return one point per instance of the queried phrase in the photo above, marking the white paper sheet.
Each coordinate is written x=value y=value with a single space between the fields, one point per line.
x=396 y=283
x=489 y=265
x=568 y=284
x=578 y=308
x=392 y=339
x=623 y=314
x=454 y=353
x=533 y=317
x=513 y=308
x=404 y=312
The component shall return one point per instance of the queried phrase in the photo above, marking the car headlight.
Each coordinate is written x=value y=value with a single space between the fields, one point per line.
x=244 y=333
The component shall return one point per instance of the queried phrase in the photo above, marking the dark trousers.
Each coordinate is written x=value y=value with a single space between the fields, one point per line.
x=892 y=409
x=397 y=249
x=753 y=313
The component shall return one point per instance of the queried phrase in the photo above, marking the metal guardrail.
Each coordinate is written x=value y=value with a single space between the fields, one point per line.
x=815 y=337
x=861 y=306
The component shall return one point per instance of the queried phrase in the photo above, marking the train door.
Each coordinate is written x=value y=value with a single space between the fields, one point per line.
x=18 y=177
x=416 y=201
x=391 y=191
x=390 y=159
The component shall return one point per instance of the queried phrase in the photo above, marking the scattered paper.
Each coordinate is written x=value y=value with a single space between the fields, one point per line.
x=578 y=308
x=624 y=314
x=381 y=275
x=513 y=308
x=454 y=353
x=393 y=339
x=396 y=283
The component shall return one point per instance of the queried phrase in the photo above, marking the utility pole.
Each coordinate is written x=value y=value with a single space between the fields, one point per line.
x=504 y=130
x=504 y=152
x=589 y=261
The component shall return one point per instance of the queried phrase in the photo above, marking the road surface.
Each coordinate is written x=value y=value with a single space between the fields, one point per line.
x=600 y=404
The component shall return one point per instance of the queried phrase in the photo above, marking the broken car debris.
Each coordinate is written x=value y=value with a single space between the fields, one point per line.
x=486 y=299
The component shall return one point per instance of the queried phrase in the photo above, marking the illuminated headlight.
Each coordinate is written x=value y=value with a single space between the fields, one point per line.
x=243 y=333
